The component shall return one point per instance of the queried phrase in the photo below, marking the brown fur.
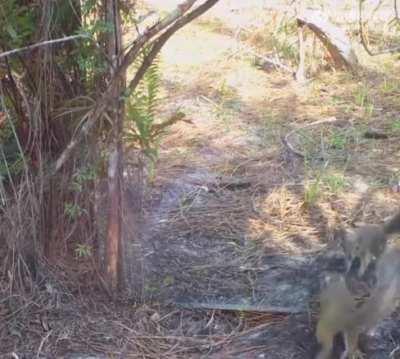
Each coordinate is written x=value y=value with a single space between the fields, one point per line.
x=340 y=313
x=367 y=243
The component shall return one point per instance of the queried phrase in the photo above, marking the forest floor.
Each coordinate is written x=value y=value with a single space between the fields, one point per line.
x=238 y=215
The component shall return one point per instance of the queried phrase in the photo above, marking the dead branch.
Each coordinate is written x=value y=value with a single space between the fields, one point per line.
x=238 y=307
x=275 y=62
x=363 y=37
x=40 y=44
x=290 y=146
x=160 y=42
x=333 y=37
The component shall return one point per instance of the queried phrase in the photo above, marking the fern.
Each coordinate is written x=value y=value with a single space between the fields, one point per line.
x=143 y=130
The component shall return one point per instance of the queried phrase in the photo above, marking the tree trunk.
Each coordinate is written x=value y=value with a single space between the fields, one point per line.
x=115 y=173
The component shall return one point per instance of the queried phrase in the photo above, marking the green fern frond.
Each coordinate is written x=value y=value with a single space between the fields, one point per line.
x=143 y=129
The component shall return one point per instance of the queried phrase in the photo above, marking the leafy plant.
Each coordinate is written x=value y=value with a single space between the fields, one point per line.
x=143 y=129
x=396 y=126
x=363 y=99
x=281 y=43
x=72 y=210
x=334 y=182
x=312 y=193
x=83 y=250
x=313 y=190
x=338 y=141
x=18 y=23
x=80 y=178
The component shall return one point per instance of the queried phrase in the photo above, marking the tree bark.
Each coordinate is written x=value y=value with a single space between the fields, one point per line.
x=115 y=162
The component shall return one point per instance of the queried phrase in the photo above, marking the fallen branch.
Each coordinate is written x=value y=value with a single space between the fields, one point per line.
x=274 y=62
x=238 y=307
x=289 y=145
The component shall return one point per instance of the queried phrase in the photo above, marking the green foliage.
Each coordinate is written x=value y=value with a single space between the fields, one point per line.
x=363 y=99
x=312 y=193
x=83 y=250
x=18 y=23
x=168 y=281
x=87 y=6
x=72 y=210
x=396 y=126
x=11 y=158
x=80 y=178
x=280 y=40
x=143 y=130
x=88 y=54
x=141 y=112
x=334 y=182
x=10 y=167
x=338 y=140
x=90 y=59
x=285 y=48
x=361 y=96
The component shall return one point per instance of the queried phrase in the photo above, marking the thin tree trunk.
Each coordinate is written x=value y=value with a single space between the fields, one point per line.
x=115 y=173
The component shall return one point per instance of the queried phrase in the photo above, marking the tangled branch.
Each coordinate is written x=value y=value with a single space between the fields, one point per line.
x=363 y=37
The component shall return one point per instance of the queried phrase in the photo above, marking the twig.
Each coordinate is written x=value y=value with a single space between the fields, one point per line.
x=42 y=343
x=274 y=62
x=288 y=144
x=393 y=352
x=40 y=44
x=238 y=307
